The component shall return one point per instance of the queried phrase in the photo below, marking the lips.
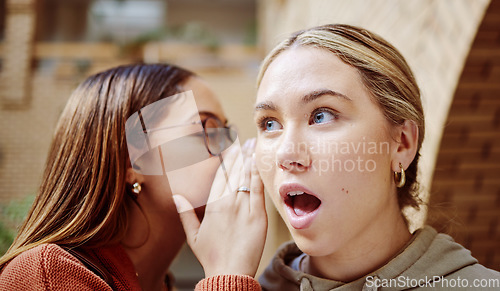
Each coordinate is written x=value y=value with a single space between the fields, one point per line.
x=301 y=204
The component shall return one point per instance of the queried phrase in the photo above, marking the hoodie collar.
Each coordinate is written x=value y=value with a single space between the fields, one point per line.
x=427 y=255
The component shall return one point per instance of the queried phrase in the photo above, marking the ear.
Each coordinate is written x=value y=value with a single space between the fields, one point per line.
x=133 y=177
x=407 y=135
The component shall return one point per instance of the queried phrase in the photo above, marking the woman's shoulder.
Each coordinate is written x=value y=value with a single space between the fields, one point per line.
x=38 y=257
x=477 y=271
x=452 y=252
x=48 y=266
x=437 y=256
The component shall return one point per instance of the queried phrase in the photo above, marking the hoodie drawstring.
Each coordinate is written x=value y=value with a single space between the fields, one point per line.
x=305 y=285
x=366 y=287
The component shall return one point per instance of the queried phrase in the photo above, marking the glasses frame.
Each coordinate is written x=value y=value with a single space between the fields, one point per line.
x=203 y=123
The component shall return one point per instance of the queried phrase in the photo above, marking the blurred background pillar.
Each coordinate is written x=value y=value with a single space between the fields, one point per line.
x=15 y=78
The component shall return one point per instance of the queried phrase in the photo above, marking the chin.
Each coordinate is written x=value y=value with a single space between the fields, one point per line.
x=309 y=247
x=313 y=245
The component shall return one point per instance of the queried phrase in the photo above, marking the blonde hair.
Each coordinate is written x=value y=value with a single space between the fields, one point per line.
x=383 y=71
x=82 y=197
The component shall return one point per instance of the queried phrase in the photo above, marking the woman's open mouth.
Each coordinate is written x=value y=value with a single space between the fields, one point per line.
x=301 y=205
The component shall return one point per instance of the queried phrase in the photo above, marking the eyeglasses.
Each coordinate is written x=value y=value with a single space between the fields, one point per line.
x=217 y=136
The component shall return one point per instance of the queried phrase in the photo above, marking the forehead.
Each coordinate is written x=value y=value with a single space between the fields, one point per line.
x=206 y=101
x=299 y=70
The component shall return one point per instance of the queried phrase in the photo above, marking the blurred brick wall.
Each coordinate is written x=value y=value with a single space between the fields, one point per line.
x=465 y=193
x=19 y=37
x=15 y=97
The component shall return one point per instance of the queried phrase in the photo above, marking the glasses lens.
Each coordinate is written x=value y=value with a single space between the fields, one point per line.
x=231 y=134
x=217 y=136
x=213 y=137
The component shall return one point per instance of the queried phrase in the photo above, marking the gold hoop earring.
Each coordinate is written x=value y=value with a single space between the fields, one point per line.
x=136 y=188
x=401 y=180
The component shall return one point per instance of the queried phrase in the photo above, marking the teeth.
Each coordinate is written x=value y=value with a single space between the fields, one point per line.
x=295 y=193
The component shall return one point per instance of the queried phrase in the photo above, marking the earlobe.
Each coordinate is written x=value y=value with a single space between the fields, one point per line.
x=133 y=177
x=408 y=145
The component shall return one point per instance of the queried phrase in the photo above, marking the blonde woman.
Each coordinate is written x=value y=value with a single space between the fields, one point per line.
x=104 y=217
x=340 y=126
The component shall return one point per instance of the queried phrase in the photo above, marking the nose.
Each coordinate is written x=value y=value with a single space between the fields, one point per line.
x=292 y=153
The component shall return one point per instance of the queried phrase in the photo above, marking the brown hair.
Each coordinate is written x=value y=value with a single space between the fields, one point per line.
x=383 y=71
x=82 y=195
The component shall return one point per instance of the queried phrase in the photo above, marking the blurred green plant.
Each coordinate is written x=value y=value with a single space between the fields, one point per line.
x=11 y=216
x=6 y=238
x=191 y=32
x=251 y=33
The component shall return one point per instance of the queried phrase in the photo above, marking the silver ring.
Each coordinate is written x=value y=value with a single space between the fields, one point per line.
x=243 y=189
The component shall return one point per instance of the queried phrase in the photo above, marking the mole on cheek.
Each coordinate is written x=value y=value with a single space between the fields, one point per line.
x=346 y=191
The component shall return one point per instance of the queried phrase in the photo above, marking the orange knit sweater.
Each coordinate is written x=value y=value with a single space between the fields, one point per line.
x=49 y=267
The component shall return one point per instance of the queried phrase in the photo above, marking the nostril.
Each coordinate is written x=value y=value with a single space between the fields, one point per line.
x=289 y=165
x=298 y=166
x=284 y=165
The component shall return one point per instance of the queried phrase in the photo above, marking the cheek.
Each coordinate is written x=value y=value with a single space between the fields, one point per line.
x=350 y=157
x=265 y=159
x=266 y=165
x=181 y=181
x=159 y=190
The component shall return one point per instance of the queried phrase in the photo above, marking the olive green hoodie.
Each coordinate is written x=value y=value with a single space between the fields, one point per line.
x=429 y=261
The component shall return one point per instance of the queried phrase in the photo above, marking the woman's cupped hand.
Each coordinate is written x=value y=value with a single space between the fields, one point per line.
x=230 y=238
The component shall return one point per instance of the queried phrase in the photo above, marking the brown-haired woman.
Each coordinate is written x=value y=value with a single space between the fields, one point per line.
x=103 y=220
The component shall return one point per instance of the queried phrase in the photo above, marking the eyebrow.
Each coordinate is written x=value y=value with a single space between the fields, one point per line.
x=210 y=114
x=266 y=106
x=305 y=99
x=322 y=92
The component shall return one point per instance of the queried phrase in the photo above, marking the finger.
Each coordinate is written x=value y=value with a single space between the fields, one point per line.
x=243 y=196
x=219 y=183
x=245 y=147
x=247 y=169
x=189 y=220
x=257 y=200
x=233 y=167
x=249 y=148
x=235 y=175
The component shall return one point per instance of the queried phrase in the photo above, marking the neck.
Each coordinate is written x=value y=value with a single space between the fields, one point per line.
x=152 y=249
x=374 y=247
x=151 y=264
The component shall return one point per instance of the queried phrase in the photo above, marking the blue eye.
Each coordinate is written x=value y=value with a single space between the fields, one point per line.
x=269 y=125
x=322 y=116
